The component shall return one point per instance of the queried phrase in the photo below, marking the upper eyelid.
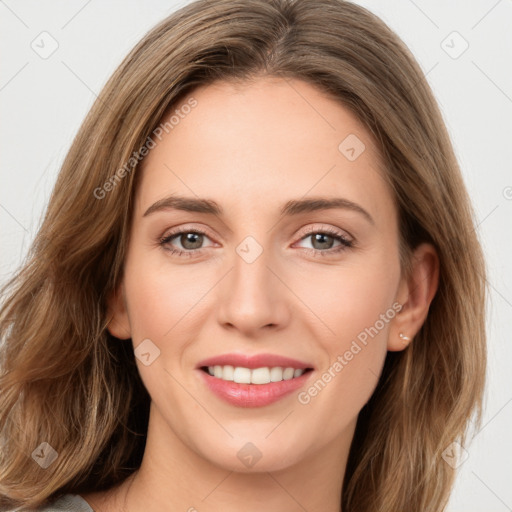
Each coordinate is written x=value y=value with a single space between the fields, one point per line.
x=329 y=230
x=179 y=231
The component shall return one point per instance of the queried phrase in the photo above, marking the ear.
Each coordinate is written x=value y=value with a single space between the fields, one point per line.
x=119 y=324
x=415 y=293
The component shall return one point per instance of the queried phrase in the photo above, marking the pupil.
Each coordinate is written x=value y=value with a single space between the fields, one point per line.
x=191 y=238
x=318 y=238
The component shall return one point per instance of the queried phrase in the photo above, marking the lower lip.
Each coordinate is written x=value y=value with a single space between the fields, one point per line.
x=253 y=395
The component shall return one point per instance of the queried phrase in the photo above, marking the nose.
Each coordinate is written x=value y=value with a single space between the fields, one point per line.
x=252 y=297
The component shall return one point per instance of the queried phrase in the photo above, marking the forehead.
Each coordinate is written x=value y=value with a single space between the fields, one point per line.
x=262 y=143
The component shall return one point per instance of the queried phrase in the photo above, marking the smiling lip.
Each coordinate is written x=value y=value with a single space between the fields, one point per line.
x=253 y=395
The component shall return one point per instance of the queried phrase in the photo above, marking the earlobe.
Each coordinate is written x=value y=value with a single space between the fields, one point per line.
x=119 y=323
x=416 y=292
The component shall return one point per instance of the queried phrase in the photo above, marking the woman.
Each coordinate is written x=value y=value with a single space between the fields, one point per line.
x=181 y=339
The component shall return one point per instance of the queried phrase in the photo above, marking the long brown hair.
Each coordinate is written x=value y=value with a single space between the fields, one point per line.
x=65 y=381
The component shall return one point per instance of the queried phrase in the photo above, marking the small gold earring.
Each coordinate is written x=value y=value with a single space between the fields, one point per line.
x=405 y=338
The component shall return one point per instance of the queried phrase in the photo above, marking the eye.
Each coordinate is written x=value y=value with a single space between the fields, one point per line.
x=323 y=241
x=191 y=241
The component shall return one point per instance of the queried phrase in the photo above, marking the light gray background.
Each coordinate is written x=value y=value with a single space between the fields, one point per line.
x=43 y=102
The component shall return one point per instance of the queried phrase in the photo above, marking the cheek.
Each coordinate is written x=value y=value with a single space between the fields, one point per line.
x=357 y=305
x=165 y=305
x=351 y=299
x=161 y=297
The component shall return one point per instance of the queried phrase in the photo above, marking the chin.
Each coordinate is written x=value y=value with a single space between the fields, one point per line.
x=245 y=456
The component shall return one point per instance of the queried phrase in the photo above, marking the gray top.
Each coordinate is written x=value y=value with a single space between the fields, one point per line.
x=67 y=503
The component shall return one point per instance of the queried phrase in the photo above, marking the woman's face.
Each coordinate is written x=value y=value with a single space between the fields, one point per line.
x=271 y=273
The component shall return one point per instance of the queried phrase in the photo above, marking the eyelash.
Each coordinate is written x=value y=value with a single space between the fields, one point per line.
x=344 y=242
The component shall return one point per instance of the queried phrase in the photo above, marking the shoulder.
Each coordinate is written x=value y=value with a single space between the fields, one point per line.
x=67 y=503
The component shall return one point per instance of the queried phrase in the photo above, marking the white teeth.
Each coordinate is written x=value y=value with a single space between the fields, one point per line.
x=276 y=374
x=262 y=375
x=228 y=372
x=242 y=375
x=288 y=373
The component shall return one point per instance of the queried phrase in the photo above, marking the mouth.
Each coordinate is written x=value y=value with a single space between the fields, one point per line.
x=253 y=381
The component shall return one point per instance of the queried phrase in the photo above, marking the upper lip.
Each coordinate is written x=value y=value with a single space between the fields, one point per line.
x=254 y=361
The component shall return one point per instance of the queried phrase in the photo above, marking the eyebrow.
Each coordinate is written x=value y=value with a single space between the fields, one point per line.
x=292 y=207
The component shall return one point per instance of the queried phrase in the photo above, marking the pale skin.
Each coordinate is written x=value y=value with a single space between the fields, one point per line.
x=251 y=149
